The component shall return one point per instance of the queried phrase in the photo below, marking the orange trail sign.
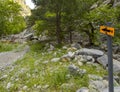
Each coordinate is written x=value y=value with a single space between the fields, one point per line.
x=107 y=30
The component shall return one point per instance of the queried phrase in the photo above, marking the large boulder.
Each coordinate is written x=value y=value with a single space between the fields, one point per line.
x=89 y=52
x=97 y=85
x=104 y=61
x=116 y=3
x=116 y=89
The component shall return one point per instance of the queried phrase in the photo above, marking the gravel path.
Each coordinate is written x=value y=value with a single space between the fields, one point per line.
x=7 y=58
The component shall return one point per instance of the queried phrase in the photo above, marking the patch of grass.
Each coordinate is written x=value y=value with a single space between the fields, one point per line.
x=7 y=46
x=59 y=77
x=37 y=47
x=95 y=70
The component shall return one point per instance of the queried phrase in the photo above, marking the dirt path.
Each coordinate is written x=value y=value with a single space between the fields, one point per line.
x=7 y=58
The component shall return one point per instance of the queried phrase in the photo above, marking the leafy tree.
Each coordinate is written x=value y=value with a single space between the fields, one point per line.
x=62 y=15
x=74 y=15
x=11 y=20
x=100 y=16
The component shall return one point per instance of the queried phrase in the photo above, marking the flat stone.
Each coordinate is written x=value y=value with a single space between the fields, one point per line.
x=55 y=59
x=89 y=52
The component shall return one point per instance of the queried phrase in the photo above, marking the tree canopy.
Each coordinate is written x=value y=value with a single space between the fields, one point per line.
x=61 y=17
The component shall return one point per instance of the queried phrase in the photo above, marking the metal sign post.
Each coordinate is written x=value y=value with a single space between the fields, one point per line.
x=109 y=32
x=110 y=63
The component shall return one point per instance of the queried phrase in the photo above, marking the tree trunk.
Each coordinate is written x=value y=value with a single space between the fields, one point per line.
x=91 y=36
x=70 y=33
x=58 y=27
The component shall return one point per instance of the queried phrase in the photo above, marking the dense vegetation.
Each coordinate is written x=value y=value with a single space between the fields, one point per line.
x=61 y=17
x=11 y=21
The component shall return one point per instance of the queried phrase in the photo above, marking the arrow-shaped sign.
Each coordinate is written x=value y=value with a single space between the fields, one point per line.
x=107 y=30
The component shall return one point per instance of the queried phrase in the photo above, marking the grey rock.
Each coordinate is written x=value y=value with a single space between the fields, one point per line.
x=45 y=62
x=116 y=56
x=115 y=49
x=29 y=36
x=89 y=58
x=83 y=89
x=3 y=77
x=106 y=2
x=116 y=3
x=78 y=58
x=94 y=6
x=65 y=47
x=9 y=85
x=98 y=85
x=45 y=86
x=94 y=77
x=84 y=58
x=74 y=70
x=55 y=59
x=116 y=89
x=76 y=45
x=89 y=52
x=51 y=47
x=67 y=85
x=80 y=63
x=25 y=87
x=70 y=55
x=104 y=61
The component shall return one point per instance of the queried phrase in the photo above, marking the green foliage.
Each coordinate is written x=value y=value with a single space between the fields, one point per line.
x=76 y=15
x=37 y=47
x=59 y=17
x=10 y=19
x=7 y=46
x=102 y=14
